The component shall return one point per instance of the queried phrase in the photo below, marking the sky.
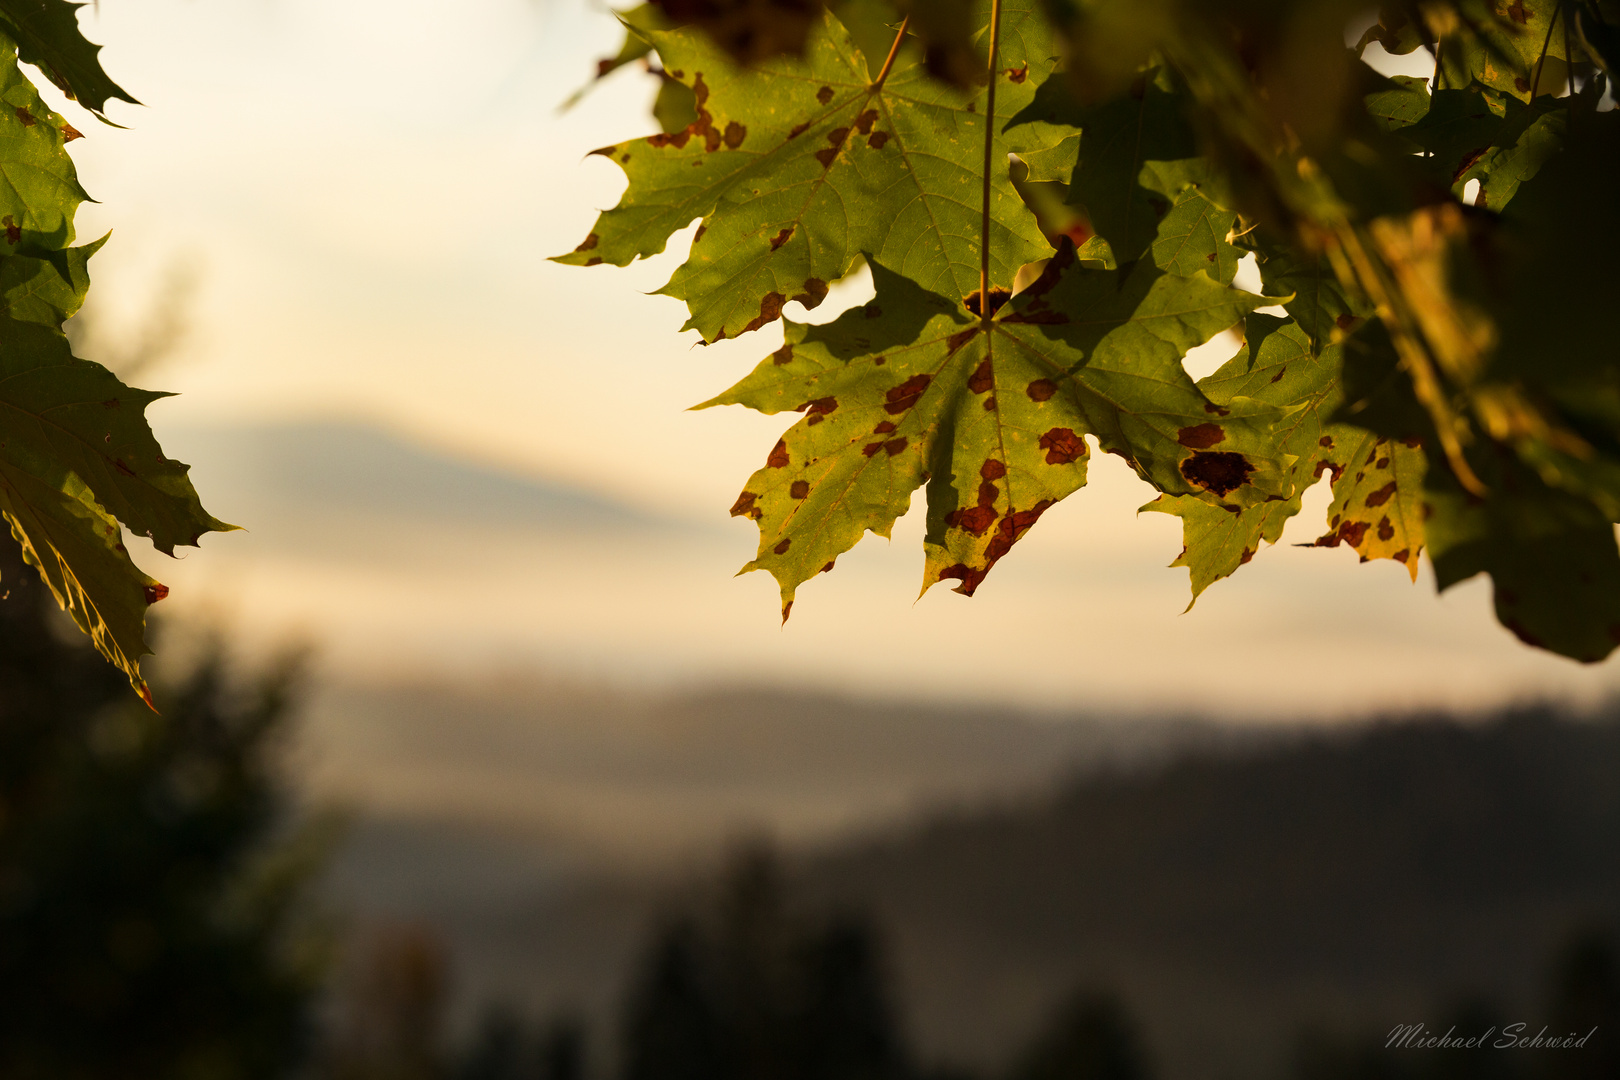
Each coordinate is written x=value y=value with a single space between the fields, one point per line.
x=368 y=192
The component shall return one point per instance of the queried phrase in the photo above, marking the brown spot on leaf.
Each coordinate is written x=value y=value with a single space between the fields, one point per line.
x=872 y=311
x=1215 y=410
x=770 y=309
x=983 y=378
x=1402 y=555
x=779 y=455
x=815 y=291
x=820 y=406
x=877 y=140
x=969 y=577
x=1248 y=553
x=69 y=133
x=904 y=396
x=828 y=568
x=864 y=122
x=1351 y=532
x=1325 y=466
x=1219 y=472
x=993 y=469
x=894 y=446
x=26 y=117
x=1325 y=441
x=1018 y=74
x=1062 y=446
x=959 y=339
x=734 y=135
x=781 y=238
x=871 y=448
x=824 y=95
x=781 y=549
x=1280 y=373
x=1381 y=496
x=1386 y=531
x=744 y=506
x=990 y=403
x=836 y=138
x=976 y=520
x=1041 y=390
x=883 y=428
x=701 y=229
x=800 y=489
x=154 y=593
x=781 y=356
x=125 y=469
x=799 y=129
x=988 y=493
x=1345 y=322
x=1519 y=13
x=1201 y=436
x=589 y=243
x=1381 y=463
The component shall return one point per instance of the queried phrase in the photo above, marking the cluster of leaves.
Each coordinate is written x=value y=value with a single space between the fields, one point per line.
x=78 y=462
x=1054 y=199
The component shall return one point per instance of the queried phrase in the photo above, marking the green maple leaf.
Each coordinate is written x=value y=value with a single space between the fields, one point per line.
x=914 y=389
x=796 y=166
x=39 y=188
x=78 y=458
x=1377 y=482
x=1137 y=171
x=47 y=36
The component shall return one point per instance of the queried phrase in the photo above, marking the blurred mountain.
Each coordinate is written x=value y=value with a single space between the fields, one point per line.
x=1232 y=896
x=630 y=779
x=276 y=478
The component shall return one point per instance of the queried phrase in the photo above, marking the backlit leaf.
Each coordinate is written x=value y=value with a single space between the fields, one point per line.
x=780 y=154
x=913 y=388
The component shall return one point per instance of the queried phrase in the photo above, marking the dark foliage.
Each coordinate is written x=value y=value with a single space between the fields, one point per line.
x=147 y=924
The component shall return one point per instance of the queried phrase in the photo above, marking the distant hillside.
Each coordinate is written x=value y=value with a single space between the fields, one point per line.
x=1350 y=881
x=348 y=470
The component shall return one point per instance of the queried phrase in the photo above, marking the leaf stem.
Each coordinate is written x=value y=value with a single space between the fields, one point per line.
x=894 y=51
x=1541 y=61
x=989 y=158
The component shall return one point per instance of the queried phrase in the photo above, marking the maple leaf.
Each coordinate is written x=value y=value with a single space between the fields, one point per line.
x=78 y=458
x=1377 y=482
x=47 y=35
x=914 y=388
x=798 y=166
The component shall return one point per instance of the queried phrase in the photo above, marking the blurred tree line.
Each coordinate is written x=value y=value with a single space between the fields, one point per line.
x=157 y=922
x=152 y=922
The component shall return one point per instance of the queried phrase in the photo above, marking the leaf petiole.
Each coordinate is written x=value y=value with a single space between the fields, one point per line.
x=989 y=157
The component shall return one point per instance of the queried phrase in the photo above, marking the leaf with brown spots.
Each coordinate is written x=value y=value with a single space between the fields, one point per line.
x=798 y=165
x=1278 y=365
x=993 y=418
x=1378 y=501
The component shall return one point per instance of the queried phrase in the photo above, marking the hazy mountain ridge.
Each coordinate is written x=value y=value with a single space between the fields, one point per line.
x=1350 y=881
x=348 y=469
